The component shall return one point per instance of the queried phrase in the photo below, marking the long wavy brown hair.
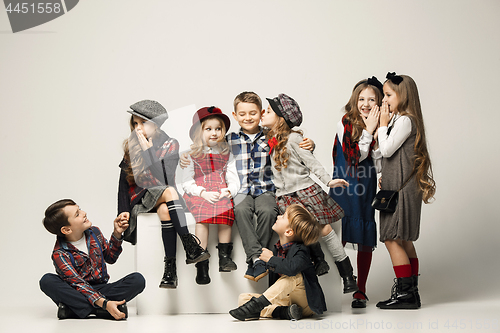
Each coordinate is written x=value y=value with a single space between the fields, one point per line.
x=351 y=108
x=132 y=148
x=281 y=131
x=197 y=148
x=409 y=105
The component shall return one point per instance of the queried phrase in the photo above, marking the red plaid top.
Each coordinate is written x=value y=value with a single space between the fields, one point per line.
x=282 y=249
x=89 y=268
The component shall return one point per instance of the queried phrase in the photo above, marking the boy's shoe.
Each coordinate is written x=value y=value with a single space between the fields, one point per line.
x=169 y=280
x=251 y=309
x=292 y=312
x=194 y=252
x=259 y=270
x=202 y=276
x=249 y=273
x=64 y=312
x=104 y=314
x=359 y=303
x=226 y=264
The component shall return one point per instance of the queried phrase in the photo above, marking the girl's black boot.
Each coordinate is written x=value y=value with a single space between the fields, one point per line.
x=226 y=264
x=169 y=280
x=202 y=276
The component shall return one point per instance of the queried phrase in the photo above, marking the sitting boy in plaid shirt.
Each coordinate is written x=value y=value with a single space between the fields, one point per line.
x=294 y=289
x=81 y=286
x=256 y=195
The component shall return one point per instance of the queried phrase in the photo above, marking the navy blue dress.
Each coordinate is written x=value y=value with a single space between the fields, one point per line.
x=358 y=223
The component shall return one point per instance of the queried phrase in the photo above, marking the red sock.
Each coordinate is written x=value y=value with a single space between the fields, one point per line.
x=414 y=266
x=402 y=271
x=364 y=262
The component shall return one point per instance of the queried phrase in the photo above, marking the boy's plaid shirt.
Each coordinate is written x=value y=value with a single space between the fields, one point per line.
x=253 y=163
x=89 y=267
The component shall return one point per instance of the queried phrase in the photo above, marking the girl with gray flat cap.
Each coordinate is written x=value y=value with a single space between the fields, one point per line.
x=147 y=184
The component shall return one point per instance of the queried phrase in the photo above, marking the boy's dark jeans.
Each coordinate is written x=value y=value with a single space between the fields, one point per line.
x=61 y=292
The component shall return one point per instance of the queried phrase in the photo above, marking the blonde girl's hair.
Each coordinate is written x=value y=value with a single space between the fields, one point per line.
x=304 y=225
x=281 y=131
x=409 y=105
x=197 y=148
x=248 y=97
x=132 y=148
x=351 y=108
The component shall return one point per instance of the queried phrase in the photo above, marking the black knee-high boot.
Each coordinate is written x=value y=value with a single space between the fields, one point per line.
x=318 y=258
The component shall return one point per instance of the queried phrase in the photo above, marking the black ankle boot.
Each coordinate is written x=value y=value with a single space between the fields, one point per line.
x=226 y=264
x=202 y=276
x=415 y=285
x=292 y=312
x=194 y=252
x=251 y=309
x=318 y=258
x=169 y=280
x=64 y=312
x=347 y=274
x=403 y=296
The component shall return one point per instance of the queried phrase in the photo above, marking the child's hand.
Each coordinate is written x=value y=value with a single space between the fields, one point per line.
x=211 y=197
x=265 y=255
x=371 y=122
x=143 y=142
x=225 y=193
x=337 y=183
x=121 y=224
x=385 y=115
x=380 y=183
x=307 y=144
x=112 y=308
x=184 y=161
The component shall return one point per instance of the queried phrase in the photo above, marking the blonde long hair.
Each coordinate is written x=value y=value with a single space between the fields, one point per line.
x=351 y=108
x=198 y=147
x=281 y=131
x=131 y=147
x=409 y=102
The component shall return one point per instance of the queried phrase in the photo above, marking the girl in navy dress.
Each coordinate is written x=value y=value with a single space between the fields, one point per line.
x=354 y=159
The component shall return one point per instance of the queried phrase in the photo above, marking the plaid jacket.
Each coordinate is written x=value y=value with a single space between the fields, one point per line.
x=253 y=162
x=80 y=270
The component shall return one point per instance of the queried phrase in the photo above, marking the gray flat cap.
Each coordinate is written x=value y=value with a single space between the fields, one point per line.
x=150 y=110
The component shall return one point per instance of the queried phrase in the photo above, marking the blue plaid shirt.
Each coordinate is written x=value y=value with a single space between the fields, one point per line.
x=253 y=162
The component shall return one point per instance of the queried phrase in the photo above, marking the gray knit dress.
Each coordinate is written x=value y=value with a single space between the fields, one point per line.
x=404 y=223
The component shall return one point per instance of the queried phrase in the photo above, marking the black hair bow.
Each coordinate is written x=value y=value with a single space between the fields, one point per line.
x=396 y=79
x=373 y=81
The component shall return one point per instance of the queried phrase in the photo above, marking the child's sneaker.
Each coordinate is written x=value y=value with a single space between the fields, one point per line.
x=249 y=273
x=259 y=270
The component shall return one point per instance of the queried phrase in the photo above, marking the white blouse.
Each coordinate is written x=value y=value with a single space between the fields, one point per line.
x=401 y=130
x=364 y=144
x=232 y=179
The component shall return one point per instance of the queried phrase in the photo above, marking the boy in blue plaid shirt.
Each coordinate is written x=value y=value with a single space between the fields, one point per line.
x=256 y=195
x=81 y=286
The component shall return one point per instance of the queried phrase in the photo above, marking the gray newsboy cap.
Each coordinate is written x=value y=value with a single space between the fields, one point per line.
x=287 y=108
x=150 y=110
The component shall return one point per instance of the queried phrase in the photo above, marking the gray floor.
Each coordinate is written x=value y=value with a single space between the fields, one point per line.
x=470 y=316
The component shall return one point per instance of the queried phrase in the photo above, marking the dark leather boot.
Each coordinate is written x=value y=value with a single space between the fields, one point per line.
x=347 y=274
x=251 y=309
x=226 y=264
x=415 y=285
x=194 y=252
x=292 y=312
x=64 y=312
x=169 y=280
x=359 y=303
x=318 y=258
x=403 y=296
x=202 y=276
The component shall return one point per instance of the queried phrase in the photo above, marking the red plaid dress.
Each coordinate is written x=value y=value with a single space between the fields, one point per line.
x=210 y=173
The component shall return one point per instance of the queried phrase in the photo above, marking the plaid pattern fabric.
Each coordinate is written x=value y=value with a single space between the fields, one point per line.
x=168 y=150
x=316 y=201
x=350 y=149
x=89 y=268
x=210 y=173
x=253 y=162
x=282 y=250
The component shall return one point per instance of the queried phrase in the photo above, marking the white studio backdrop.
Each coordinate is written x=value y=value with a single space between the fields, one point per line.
x=65 y=87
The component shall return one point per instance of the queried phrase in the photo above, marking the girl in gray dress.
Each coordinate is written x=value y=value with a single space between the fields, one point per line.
x=403 y=146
